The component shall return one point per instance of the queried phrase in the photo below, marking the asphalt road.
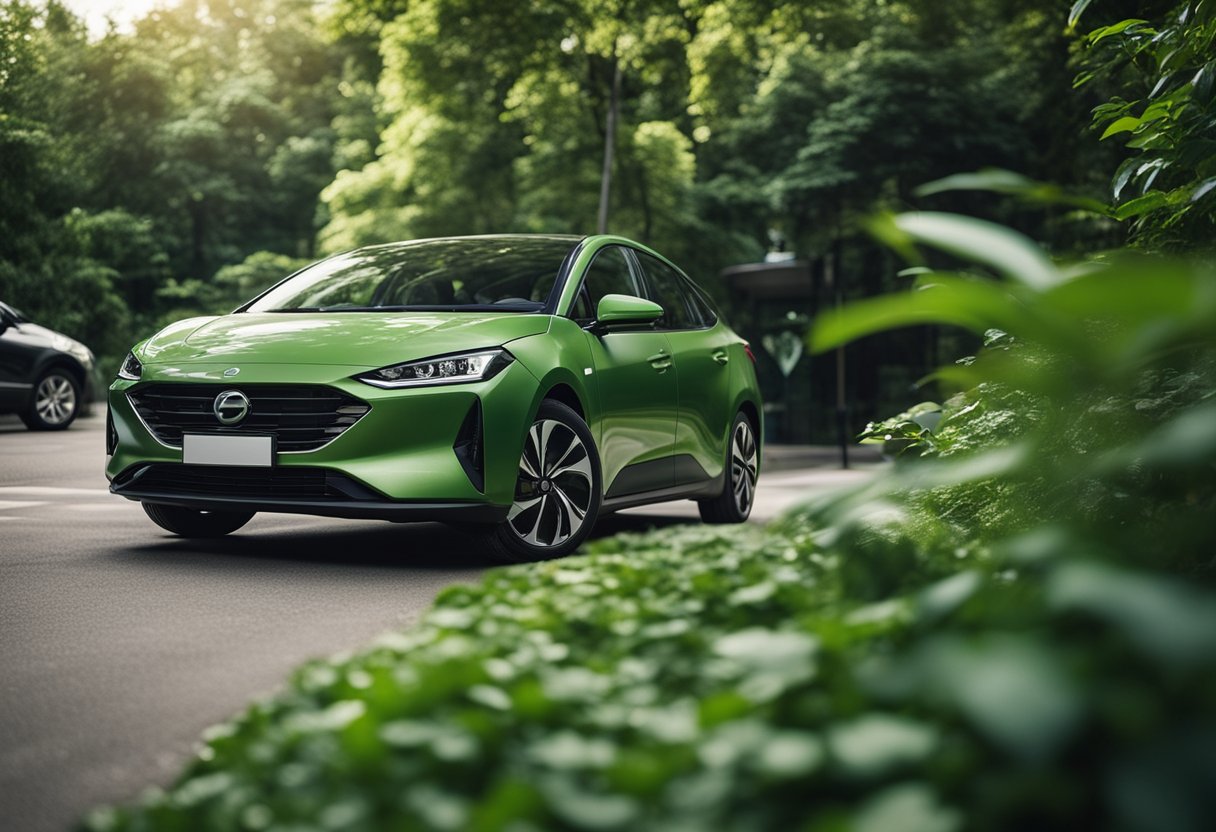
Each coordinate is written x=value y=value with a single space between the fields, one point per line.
x=120 y=643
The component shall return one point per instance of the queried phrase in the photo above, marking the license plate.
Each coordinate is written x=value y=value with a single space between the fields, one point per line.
x=212 y=449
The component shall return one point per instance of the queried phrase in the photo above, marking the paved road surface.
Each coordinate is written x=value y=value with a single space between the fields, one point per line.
x=119 y=643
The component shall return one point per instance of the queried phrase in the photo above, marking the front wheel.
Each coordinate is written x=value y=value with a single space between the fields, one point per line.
x=55 y=402
x=557 y=490
x=734 y=504
x=189 y=522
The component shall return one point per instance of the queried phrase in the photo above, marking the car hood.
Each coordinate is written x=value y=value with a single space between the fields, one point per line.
x=41 y=336
x=368 y=339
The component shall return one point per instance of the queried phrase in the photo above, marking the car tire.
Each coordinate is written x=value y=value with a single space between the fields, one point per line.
x=734 y=504
x=55 y=402
x=189 y=522
x=558 y=490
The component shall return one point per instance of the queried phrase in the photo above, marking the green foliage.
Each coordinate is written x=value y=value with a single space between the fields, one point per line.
x=136 y=165
x=911 y=430
x=1162 y=74
x=759 y=680
x=232 y=286
x=1086 y=371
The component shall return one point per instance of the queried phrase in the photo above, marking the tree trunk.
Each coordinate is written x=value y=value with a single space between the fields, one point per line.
x=609 y=145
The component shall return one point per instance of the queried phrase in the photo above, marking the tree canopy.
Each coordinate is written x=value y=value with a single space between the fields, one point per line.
x=140 y=167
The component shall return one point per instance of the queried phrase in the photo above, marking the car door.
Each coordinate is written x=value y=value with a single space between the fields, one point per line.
x=635 y=380
x=699 y=347
x=17 y=357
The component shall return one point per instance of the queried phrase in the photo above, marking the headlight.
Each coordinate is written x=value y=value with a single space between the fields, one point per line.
x=443 y=369
x=131 y=369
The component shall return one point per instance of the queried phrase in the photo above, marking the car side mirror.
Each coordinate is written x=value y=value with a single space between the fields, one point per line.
x=5 y=323
x=622 y=310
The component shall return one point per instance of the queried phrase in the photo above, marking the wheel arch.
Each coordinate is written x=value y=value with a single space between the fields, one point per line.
x=59 y=361
x=751 y=410
x=564 y=393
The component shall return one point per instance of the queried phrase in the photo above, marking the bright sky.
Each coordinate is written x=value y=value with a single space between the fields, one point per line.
x=123 y=12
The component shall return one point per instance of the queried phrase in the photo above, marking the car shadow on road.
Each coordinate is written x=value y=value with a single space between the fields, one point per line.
x=425 y=546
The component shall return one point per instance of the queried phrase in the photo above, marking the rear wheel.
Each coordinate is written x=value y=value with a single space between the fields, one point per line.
x=189 y=522
x=55 y=402
x=734 y=504
x=557 y=490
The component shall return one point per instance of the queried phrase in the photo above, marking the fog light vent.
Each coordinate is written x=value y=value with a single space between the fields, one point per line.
x=469 y=447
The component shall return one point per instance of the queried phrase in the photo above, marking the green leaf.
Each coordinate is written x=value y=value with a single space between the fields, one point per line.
x=1167 y=619
x=873 y=744
x=1114 y=29
x=788 y=754
x=1151 y=201
x=764 y=649
x=1203 y=189
x=1202 y=82
x=1013 y=688
x=1078 y=9
x=907 y=807
x=1124 y=175
x=1008 y=252
x=583 y=809
x=973 y=304
x=1122 y=125
x=1003 y=181
x=566 y=750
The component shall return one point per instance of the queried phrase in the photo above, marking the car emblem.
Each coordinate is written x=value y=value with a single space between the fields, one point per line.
x=231 y=407
x=231 y=371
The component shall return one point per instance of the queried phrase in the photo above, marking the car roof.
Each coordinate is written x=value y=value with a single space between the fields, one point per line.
x=568 y=238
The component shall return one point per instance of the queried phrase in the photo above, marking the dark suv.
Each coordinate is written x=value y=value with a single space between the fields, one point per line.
x=45 y=377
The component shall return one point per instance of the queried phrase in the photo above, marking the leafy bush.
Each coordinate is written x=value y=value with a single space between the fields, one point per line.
x=1165 y=75
x=874 y=662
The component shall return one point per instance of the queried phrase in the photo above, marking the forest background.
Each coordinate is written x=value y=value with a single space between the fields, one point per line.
x=181 y=163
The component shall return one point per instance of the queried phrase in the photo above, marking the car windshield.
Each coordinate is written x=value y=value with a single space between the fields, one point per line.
x=501 y=274
x=14 y=313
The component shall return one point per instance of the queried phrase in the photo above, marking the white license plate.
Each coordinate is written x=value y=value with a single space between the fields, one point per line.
x=213 y=449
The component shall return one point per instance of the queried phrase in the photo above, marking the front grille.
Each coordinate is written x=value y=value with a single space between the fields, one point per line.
x=302 y=418
x=281 y=483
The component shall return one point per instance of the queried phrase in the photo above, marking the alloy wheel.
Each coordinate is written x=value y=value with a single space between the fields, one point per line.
x=554 y=491
x=743 y=466
x=55 y=400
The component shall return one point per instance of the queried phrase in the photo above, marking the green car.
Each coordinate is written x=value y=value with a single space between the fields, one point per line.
x=519 y=385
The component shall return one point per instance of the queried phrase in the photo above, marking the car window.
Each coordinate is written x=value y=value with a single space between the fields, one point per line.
x=702 y=305
x=13 y=314
x=668 y=291
x=608 y=274
x=506 y=273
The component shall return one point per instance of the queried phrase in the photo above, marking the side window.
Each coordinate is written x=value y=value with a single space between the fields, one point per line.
x=668 y=291
x=701 y=303
x=608 y=274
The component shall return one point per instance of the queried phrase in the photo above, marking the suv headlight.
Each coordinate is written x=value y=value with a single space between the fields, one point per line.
x=444 y=369
x=131 y=368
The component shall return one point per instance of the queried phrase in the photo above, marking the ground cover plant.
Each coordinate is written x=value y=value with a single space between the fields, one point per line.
x=1013 y=628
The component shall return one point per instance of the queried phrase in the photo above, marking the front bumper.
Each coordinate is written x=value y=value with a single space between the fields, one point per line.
x=178 y=485
x=400 y=461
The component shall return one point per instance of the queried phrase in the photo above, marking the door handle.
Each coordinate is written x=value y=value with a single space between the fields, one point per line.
x=661 y=361
x=721 y=357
